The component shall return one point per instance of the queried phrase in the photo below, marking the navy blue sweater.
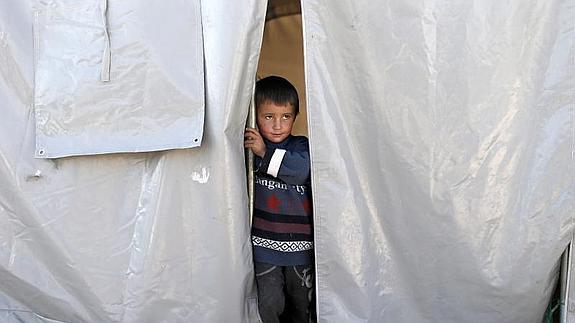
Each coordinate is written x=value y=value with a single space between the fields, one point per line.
x=282 y=231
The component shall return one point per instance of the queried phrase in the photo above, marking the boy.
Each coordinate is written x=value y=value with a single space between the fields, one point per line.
x=282 y=223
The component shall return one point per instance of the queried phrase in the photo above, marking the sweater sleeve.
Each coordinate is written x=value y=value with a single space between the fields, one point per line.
x=291 y=165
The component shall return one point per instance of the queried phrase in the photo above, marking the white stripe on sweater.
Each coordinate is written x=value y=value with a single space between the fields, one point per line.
x=276 y=162
x=283 y=246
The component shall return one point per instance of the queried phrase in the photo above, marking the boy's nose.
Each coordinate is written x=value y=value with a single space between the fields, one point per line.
x=277 y=124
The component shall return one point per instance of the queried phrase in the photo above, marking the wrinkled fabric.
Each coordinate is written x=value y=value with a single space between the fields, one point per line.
x=117 y=76
x=141 y=237
x=442 y=141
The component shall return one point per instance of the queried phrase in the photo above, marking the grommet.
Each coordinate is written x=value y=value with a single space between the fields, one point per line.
x=41 y=152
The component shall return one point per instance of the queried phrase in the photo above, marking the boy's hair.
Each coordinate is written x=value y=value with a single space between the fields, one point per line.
x=277 y=90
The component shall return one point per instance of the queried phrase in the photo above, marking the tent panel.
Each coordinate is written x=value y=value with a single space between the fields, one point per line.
x=146 y=237
x=442 y=143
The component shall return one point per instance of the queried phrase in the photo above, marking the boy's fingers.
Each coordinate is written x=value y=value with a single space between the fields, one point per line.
x=252 y=131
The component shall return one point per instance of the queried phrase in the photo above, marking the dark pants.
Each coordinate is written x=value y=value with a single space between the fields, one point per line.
x=285 y=293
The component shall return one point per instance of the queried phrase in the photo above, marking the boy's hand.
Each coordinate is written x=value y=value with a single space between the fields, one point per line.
x=254 y=141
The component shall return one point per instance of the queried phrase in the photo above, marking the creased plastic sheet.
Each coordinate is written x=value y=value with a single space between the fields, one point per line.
x=117 y=76
x=147 y=237
x=442 y=137
x=569 y=314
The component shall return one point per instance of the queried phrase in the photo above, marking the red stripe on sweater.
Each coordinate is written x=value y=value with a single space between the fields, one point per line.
x=281 y=227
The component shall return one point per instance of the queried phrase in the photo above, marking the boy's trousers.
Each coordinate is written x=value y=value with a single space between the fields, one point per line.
x=285 y=289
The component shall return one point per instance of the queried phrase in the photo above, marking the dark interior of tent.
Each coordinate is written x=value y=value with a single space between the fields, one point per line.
x=282 y=51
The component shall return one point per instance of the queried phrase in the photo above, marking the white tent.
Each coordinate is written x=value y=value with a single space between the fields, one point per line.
x=442 y=140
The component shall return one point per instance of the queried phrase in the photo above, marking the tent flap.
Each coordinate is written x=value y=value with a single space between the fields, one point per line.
x=131 y=237
x=118 y=77
x=442 y=145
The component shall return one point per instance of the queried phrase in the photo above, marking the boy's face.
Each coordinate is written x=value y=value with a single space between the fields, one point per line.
x=275 y=122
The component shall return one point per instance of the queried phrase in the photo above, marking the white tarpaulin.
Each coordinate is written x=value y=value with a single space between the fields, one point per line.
x=442 y=141
x=148 y=237
x=117 y=76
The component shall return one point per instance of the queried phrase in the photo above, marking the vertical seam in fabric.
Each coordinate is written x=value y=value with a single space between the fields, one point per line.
x=36 y=53
x=106 y=55
x=315 y=199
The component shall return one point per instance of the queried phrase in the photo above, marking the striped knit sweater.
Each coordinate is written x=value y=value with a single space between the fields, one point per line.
x=282 y=231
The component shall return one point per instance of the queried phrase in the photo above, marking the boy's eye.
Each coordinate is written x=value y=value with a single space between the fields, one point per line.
x=287 y=116
x=268 y=117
